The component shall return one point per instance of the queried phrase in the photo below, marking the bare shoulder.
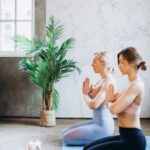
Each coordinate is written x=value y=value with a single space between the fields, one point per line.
x=138 y=85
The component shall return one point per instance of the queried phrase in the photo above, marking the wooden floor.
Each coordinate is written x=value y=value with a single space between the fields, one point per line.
x=16 y=133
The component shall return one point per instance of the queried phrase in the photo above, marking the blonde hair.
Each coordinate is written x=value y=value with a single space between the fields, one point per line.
x=104 y=56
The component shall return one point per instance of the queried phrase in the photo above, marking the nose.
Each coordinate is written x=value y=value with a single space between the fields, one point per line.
x=92 y=65
x=119 y=67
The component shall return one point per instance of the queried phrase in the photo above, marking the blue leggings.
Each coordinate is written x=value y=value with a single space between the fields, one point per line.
x=129 y=139
x=100 y=126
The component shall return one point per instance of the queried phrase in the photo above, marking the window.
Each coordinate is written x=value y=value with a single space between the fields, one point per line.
x=16 y=17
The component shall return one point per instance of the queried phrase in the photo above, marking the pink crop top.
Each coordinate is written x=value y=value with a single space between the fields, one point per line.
x=133 y=109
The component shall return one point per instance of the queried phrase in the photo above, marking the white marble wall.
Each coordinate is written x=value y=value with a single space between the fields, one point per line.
x=100 y=25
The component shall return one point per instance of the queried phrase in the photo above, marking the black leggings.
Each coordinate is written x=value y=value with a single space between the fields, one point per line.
x=129 y=139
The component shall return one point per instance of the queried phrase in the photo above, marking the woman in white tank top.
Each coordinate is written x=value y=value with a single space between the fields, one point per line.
x=102 y=124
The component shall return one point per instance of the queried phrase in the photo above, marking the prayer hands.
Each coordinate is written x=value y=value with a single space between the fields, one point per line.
x=86 y=86
x=94 y=91
x=89 y=90
x=110 y=94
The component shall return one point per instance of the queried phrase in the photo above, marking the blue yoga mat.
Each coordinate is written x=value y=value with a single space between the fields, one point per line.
x=64 y=147
x=148 y=142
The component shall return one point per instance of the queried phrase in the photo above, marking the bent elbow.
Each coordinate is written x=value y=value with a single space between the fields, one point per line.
x=92 y=105
x=113 y=111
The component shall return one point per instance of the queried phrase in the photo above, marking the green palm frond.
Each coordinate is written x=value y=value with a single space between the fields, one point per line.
x=55 y=100
x=42 y=74
x=39 y=74
x=42 y=53
x=64 y=68
x=69 y=64
x=67 y=45
x=31 y=68
x=54 y=31
x=27 y=45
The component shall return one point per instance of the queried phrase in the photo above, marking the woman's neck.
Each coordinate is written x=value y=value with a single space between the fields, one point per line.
x=103 y=74
x=132 y=76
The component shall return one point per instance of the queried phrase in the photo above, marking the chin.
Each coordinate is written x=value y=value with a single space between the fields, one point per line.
x=123 y=73
x=94 y=70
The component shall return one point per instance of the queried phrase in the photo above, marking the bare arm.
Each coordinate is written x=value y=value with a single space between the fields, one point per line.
x=95 y=102
x=125 y=99
x=99 y=94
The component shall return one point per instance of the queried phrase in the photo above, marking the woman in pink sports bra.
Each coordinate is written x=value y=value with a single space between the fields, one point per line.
x=126 y=106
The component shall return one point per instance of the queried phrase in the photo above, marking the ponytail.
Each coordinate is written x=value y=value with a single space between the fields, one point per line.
x=142 y=66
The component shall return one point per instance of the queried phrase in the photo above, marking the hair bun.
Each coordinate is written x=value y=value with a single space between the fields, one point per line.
x=142 y=65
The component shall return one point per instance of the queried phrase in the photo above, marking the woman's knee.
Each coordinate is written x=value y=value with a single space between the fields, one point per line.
x=67 y=138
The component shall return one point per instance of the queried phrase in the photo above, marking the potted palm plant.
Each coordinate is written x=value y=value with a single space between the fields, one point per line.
x=46 y=65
